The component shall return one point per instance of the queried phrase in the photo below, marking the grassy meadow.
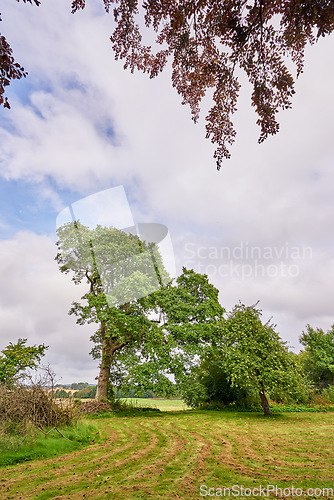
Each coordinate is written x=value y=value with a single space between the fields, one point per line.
x=182 y=454
x=160 y=404
x=17 y=448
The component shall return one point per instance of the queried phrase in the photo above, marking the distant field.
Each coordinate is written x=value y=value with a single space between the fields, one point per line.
x=161 y=404
x=179 y=455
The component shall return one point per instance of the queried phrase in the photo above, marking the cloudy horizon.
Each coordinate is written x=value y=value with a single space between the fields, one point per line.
x=261 y=228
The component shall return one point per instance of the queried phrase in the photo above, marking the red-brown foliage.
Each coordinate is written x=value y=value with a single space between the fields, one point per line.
x=207 y=40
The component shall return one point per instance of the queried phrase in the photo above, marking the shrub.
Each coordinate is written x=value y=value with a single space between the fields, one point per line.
x=194 y=393
x=328 y=394
x=208 y=386
x=22 y=406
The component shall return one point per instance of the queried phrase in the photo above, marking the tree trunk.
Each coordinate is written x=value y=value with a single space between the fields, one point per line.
x=102 y=384
x=109 y=346
x=264 y=400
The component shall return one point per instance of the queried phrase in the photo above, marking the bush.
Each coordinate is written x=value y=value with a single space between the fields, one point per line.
x=21 y=407
x=194 y=393
x=208 y=386
x=300 y=393
x=328 y=394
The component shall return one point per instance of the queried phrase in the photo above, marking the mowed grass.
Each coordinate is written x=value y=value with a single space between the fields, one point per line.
x=170 y=455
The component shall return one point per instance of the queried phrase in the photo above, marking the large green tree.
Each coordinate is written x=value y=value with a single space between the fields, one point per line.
x=189 y=313
x=319 y=354
x=209 y=42
x=147 y=326
x=254 y=355
x=121 y=271
x=16 y=358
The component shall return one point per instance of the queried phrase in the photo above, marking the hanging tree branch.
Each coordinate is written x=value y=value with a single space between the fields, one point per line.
x=225 y=37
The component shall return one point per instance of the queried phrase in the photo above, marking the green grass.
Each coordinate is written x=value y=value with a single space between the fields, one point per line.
x=36 y=445
x=169 y=455
x=160 y=404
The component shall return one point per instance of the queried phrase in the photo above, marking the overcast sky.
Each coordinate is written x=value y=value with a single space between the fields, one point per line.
x=261 y=228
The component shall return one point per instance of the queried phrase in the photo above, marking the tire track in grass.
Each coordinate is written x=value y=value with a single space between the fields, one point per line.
x=255 y=456
x=80 y=464
x=171 y=455
x=272 y=453
x=123 y=458
x=168 y=465
x=170 y=447
x=82 y=474
x=138 y=483
x=282 y=458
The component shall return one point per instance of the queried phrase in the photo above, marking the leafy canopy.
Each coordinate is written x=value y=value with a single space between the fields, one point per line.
x=16 y=358
x=254 y=355
x=319 y=348
x=9 y=68
x=207 y=40
x=118 y=266
x=189 y=314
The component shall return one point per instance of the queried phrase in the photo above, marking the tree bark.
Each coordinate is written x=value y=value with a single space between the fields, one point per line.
x=264 y=400
x=109 y=346
x=102 y=384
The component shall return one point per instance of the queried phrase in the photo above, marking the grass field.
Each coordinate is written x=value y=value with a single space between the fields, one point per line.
x=171 y=455
x=161 y=404
x=34 y=445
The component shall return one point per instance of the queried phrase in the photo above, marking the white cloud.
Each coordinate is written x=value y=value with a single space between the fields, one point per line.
x=34 y=302
x=293 y=282
x=276 y=193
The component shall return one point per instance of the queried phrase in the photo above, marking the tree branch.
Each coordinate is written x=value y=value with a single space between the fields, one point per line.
x=262 y=57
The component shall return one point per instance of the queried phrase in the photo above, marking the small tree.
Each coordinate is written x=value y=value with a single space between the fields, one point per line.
x=253 y=355
x=319 y=354
x=87 y=392
x=62 y=394
x=16 y=358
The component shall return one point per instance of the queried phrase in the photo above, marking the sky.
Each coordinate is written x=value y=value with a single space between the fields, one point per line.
x=79 y=125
